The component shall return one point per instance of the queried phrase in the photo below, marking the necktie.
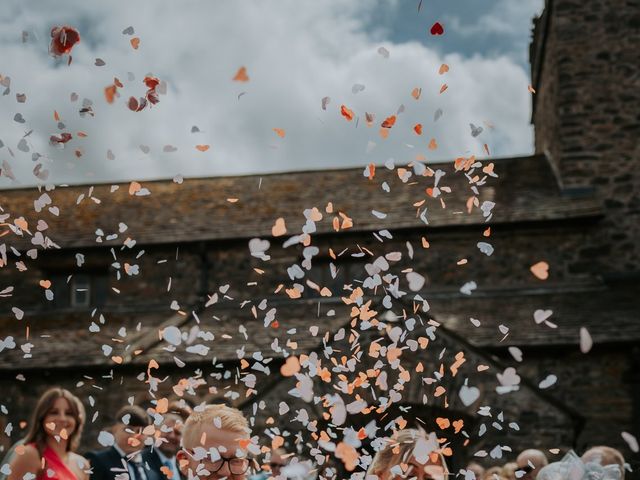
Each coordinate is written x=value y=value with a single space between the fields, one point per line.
x=169 y=465
x=138 y=471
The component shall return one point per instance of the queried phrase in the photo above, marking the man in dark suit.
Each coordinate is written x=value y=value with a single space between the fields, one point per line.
x=162 y=457
x=123 y=459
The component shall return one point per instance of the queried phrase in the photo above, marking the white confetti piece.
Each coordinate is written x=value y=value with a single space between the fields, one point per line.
x=631 y=441
x=106 y=439
x=586 y=342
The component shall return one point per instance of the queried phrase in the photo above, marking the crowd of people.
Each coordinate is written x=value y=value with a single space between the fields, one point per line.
x=597 y=463
x=214 y=442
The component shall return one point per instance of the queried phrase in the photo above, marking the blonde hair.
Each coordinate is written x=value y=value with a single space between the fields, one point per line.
x=399 y=449
x=604 y=456
x=227 y=418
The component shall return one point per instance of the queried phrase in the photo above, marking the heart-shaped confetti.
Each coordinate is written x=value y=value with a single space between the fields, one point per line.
x=279 y=228
x=469 y=395
x=540 y=270
x=509 y=377
x=437 y=29
x=475 y=131
x=539 y=316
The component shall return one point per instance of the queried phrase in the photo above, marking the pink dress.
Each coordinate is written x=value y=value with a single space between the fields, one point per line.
x=55 y=468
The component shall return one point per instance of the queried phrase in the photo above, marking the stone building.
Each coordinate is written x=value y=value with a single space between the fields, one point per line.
x=103 y=276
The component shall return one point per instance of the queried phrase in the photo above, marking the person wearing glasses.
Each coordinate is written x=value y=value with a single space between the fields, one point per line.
x=124 y=456
x=410 y=453
x=214 y=444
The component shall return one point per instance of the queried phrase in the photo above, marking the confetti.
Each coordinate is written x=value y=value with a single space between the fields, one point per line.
x=346 y=113
x=540 y=270
x=437 y=29
x=63 y=39
x=241 y=75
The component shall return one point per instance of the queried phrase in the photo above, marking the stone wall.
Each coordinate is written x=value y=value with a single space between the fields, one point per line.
x=586 y=115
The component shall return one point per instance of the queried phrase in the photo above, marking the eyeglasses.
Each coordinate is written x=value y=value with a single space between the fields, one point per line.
x=237 y=465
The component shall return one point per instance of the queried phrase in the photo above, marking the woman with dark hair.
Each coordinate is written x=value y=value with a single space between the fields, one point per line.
x=48 y=451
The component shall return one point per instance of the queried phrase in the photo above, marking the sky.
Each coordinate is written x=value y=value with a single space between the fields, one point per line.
x=368 y=55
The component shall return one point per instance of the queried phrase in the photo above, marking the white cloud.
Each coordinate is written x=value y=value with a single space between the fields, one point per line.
x=295 y=53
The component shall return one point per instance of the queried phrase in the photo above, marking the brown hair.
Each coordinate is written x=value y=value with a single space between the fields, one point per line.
x=398 y=449
x=138 y=417
x=37 y=434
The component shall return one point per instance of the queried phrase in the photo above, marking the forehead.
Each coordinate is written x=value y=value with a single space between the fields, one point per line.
x=61 y=402
x=213 y=437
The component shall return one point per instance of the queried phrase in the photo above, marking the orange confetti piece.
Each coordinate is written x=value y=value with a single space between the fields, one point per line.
x=110 y=93
x=134 y=187
x=82 y=134
x=280 y=132
x=372 y=171
x=389 y=122
x=443 y=423
x=418 y=128
x=348 y=455
x=486 y=149
x=346 y=112
x=459 y=361
x=433 y=144
x=279 y=228
x=56 y=116
x=167 y=472
x=540 y=270
x=135 y=42
x=202 y=148
x=439 y=391
x=384 y=132
x=444 y=68
x=45 y=283
x=443 y=87
x=277 y=442
x=457 y=425
x=487 y=232
x=290 y=367
x=162 y=405
x=241 y=75
x=416 y=92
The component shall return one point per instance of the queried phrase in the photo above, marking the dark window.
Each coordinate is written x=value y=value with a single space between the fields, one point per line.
x=78 y=290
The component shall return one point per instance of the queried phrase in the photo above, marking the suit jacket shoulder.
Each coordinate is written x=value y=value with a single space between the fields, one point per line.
x=102 y=462
x=152 y=461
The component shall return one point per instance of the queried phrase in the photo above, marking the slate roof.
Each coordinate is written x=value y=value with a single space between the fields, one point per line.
x=64 y=339
x=198 y=209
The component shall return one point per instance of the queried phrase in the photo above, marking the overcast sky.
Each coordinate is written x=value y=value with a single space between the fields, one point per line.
x=295 y=54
